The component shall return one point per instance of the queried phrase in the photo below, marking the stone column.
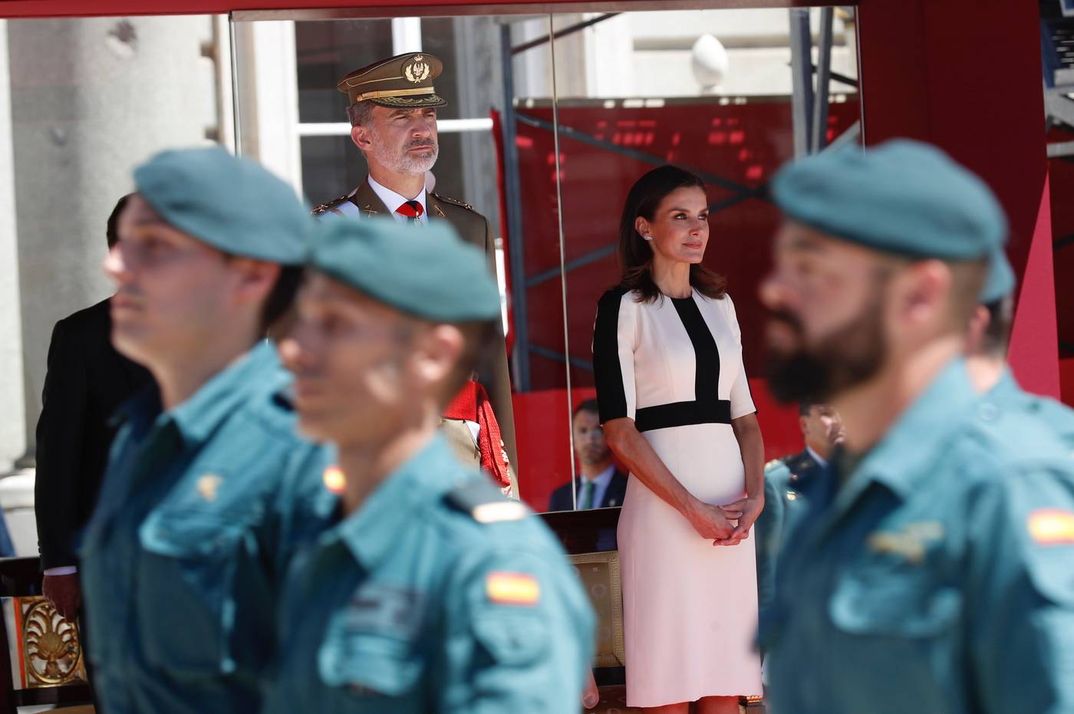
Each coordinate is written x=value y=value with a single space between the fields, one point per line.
x=90 y=99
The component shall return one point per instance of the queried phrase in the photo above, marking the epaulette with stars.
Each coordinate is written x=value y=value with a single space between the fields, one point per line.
x=329 y=206
x=453 y=201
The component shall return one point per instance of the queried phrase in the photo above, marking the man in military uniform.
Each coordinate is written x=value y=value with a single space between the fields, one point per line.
x=392 y=107
x=183 y=555
x=932 y=571
x=784 y=481
x=428 y=591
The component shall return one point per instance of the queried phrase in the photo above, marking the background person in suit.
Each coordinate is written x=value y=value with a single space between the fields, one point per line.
x=600 y=483
x=87 y=379
x=392 y=109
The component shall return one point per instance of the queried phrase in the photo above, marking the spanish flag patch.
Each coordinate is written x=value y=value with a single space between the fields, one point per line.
x=334 y=480
x=1051 y=526
x=512 y=588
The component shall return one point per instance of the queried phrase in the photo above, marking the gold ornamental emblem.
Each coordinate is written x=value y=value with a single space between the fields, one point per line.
x=52 y=653
x=417 y=70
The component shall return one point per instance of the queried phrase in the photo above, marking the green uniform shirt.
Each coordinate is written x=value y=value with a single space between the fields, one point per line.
x=1057 y=417
x=939 y=578
x=412 y=604
x=183 y=556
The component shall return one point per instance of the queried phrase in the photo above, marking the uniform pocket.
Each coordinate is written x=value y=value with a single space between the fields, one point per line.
x=907 y=604
x=186 y=592
x=369 y=664
x=511 y=639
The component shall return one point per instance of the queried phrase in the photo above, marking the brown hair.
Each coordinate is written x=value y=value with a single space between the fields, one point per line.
x=635 y=253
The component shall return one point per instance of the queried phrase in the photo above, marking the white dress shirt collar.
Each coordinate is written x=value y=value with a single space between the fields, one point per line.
x=393 y=200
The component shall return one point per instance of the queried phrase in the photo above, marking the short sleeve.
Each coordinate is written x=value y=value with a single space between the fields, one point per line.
x=614 y=340
x=1022 y=579
x=519 y=636
x=741 y=398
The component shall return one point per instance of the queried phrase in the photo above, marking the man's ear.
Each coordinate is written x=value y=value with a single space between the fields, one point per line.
x=361 y=137
x=438 y=352
x=256 y=277
x=922 y=292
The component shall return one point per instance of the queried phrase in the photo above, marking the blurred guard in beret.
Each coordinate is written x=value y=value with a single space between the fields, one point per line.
x=429 y=591
x=989 y=340
x=392 y=107
x=934 y=570
x=183 y=554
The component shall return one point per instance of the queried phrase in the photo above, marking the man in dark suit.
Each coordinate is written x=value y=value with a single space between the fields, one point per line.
x=85 y=383
x=599 y=484
x=392 y=110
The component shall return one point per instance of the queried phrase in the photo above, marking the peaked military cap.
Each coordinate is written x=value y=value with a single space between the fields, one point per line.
x=230 y=203
x=1000 y=281
x=402 y=81
x=427 y=272
x=902 y=197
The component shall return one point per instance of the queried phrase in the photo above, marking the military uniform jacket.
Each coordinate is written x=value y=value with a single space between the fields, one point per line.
x=183 y=557
x=784 y=481
x=437 y=595
x=939 y=578
x=86 y=382
x=473 y=228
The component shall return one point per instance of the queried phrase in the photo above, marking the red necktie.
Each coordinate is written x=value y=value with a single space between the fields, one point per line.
x=412 y=210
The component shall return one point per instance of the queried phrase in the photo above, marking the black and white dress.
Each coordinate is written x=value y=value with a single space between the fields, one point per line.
x=690 y=608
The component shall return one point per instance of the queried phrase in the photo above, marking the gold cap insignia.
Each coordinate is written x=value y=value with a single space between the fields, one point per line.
x=417 y=70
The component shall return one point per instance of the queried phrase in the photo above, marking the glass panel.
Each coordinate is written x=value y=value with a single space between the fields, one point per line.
x=714 y=92
x=292 y=118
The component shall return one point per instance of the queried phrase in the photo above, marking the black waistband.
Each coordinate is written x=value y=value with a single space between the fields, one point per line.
x=665 y=416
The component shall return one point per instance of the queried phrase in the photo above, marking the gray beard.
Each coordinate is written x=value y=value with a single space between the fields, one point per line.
x=403 y=162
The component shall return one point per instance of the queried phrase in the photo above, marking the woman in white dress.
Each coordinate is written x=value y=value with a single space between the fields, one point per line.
x=677 y=411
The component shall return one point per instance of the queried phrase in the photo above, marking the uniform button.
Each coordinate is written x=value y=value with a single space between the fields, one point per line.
x=988 y=411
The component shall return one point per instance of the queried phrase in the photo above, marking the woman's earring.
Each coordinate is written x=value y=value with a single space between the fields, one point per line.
x=647 y=237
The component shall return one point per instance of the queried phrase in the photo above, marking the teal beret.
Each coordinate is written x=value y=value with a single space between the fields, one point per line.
x=902 y=197
x=424 y=271
x=1000 y=281
x=230 y=203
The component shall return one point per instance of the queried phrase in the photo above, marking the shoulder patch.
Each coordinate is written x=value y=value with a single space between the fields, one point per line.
x=485 y=502
x=453 y=201
x=329 y=206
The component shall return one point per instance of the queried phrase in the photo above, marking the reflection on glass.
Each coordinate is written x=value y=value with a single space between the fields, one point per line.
x=599 y=483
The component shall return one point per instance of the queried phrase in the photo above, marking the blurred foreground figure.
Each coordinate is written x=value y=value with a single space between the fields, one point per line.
x=989 y=339
x=934 y=571
x=428 y=591
x=183 y=554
